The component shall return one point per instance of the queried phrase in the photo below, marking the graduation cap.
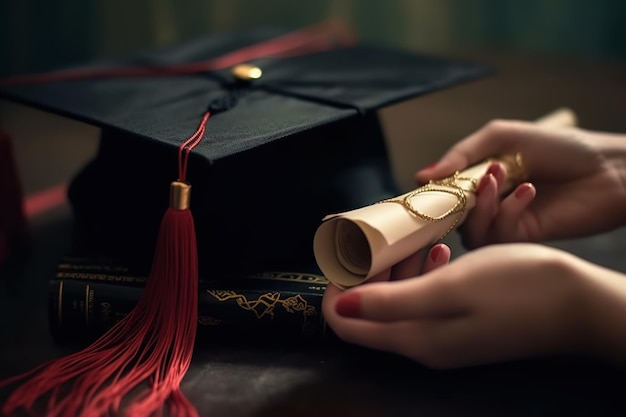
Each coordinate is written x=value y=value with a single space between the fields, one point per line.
x=274 y=130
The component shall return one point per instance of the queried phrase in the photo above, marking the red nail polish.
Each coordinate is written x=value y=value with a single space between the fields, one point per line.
x=431 y=166
x=349 y=305
x=435 y=254
x=521 y=191
x=493 y=169
x=483 y=182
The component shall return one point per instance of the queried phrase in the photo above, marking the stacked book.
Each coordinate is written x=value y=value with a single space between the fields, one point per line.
x=87 y=296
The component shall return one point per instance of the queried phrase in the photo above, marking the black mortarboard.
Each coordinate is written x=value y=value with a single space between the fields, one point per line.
x=278 y=153
x=301 y=141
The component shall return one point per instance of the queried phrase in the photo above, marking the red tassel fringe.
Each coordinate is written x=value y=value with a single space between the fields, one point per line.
x=152 y=346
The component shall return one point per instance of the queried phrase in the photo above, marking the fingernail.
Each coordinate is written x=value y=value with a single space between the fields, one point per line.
x=483 y=182
x=522 y=191
x=493 y=169
x=436 y=254
x=431 y=166
x=349 y=305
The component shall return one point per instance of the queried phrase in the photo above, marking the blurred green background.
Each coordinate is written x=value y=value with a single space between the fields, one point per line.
x=36 y=35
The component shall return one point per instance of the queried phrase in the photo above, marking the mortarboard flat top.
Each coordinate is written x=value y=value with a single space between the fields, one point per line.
x=294 y=93
x=319 y=105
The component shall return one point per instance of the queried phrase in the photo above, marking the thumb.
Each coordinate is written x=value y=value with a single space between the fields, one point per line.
x=427 y=297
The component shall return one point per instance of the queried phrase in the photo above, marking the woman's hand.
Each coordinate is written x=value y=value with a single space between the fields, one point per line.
x=494 y=304
x=577 y=184
x=415 y=265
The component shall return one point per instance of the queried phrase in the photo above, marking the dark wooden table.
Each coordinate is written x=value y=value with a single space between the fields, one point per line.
x=333 y=379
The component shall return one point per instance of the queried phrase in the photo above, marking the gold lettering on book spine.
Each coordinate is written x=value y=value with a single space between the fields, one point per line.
x=89 y=276
x=266 y=303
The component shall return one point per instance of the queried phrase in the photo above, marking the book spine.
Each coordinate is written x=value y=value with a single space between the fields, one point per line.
x=83 y=304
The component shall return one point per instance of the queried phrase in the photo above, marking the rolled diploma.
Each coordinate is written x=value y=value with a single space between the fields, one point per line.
x=353 y=246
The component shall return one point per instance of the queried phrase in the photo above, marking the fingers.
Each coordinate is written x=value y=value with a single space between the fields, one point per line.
x=373 y=335
x=417 y=264
x=439 y=255
x=429 y=297
x=480 y=218
x=495 y=138
x=507 y=226
x=492 y=220
x=440 y=344
x=406 y=337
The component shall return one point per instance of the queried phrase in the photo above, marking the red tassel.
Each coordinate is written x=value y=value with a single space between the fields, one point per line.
x=153 y=344
x=151 y=348
x=14 y=234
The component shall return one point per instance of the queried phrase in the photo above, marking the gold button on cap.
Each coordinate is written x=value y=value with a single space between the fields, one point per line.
x=246 y=72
